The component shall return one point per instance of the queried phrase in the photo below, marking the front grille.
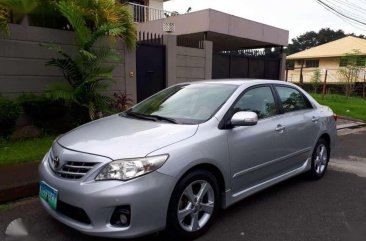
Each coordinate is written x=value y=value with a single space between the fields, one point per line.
x=75 y=170
x=73 y=212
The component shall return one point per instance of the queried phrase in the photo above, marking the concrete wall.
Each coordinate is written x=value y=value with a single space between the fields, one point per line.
x=22 y=61
x=158 y=4
x=185 y=64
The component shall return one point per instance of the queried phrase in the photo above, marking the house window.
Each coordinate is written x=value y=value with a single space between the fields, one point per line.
x=343 y=62
x=314 y=63
x=290 y=64
x=360 y=61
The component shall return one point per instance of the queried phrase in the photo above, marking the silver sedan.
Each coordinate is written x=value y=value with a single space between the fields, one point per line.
x=173 y=160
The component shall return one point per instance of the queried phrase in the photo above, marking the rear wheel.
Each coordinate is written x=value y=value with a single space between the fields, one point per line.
x=193 y=205
x=320 y=159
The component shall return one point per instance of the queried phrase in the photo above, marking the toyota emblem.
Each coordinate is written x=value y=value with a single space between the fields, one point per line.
x=56 y=162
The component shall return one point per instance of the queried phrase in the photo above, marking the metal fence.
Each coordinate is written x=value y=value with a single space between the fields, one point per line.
x=143 y=13
x=150 y=38
x=331 y=75
x=190 y=43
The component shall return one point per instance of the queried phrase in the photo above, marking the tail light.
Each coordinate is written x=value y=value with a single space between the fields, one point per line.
x=335 y=117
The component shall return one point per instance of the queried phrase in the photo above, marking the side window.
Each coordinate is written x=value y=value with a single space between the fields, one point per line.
x=259 y=100
x=291 y=99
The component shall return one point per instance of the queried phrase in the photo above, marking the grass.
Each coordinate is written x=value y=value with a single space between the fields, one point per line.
x=4 y=207
x=354 y=107
x=27 y=150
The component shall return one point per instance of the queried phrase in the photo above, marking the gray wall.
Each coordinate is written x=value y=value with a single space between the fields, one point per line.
x=187 y=64
x=22 y=61
x=190 y=64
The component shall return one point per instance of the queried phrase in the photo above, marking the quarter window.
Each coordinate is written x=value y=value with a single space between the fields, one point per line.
x=291 y=99
x=259 y=100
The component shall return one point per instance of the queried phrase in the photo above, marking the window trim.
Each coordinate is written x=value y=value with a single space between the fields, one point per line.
x=308 y=102
x=224 y=121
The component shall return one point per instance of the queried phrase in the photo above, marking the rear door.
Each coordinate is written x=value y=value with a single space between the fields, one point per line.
x=300 y=122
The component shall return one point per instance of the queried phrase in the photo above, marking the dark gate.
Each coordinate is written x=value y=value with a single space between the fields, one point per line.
x=229 y=65
x=150 y=67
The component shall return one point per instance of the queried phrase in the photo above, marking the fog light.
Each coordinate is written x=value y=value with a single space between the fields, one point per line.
x=121 y=216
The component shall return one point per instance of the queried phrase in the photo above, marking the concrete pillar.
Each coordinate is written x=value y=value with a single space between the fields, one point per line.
x=170 y=42
x=282 y=67
x=130 y=74
x=208 y=46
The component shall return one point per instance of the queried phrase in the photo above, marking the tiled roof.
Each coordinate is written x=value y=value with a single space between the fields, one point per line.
x=333 y=49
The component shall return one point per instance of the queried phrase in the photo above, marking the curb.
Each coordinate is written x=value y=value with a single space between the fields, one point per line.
x=19 y=192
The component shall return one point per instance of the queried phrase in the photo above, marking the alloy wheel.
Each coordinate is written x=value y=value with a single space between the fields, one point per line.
x=321 y=159
x=196 y=205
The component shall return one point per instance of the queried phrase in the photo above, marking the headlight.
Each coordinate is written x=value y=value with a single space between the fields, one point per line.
x=130 y=168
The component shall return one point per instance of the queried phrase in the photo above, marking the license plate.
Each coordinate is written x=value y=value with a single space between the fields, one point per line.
x=49 y=194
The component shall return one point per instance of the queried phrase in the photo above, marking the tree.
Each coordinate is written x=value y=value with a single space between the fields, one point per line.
x=352 y=64
x=312 y=39
x=87 y=73
x=316 y=79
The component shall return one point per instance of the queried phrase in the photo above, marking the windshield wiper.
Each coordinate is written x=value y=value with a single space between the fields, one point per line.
x=140 y=116
x=151 y=117
x=163 y=118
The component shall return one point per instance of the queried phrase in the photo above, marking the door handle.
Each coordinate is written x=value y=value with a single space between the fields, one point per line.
x=315 y=119
x=280 y=128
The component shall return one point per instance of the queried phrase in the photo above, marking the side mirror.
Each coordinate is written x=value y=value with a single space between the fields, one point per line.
x=244 y=118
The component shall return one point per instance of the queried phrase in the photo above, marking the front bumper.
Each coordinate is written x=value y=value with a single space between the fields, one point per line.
x=148 y=196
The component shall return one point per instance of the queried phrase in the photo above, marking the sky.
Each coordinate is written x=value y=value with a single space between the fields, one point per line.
x=296 y=16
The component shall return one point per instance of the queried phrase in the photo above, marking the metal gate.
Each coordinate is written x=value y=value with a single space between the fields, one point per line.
x=226 y=65
x=150 y=67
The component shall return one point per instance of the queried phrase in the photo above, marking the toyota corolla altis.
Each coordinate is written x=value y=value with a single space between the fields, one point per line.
x=171 y=161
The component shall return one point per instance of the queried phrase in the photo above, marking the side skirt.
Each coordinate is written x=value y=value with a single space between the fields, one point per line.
x=233 y=198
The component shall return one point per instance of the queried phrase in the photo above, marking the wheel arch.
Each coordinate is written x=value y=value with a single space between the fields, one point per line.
x=216 y=172
x=326 y=137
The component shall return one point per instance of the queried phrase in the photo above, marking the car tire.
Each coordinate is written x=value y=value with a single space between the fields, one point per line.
x=319 y=160
x=193 y=205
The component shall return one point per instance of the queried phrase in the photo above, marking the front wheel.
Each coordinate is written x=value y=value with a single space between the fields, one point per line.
x=193 y=205
x=320 y=159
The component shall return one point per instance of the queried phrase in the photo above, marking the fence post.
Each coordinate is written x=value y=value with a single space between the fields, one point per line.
x=208 y=47
x=170 y=42
x=130 y=73
x=325 y=83
x=301 y=76
x=282 y=67
x=286 y=78
x=364 y=87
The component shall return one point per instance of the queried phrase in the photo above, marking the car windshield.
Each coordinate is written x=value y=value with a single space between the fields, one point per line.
x=184 y=104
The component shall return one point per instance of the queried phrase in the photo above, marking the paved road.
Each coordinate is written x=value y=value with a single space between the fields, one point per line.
x=296 y=210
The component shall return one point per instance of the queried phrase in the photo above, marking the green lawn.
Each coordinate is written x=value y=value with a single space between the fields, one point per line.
x=354 y=107
x=28 y=150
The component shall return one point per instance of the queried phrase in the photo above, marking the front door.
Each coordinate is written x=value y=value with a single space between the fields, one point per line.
x=256 y=151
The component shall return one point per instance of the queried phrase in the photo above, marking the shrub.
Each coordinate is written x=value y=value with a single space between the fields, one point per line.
x=53 y=116
x=9 y=113
x=121 y=101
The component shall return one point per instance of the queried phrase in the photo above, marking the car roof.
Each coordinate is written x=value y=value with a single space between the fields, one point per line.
x=240 y=82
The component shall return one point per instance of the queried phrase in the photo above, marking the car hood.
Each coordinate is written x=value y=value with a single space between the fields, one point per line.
x=119 y=137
